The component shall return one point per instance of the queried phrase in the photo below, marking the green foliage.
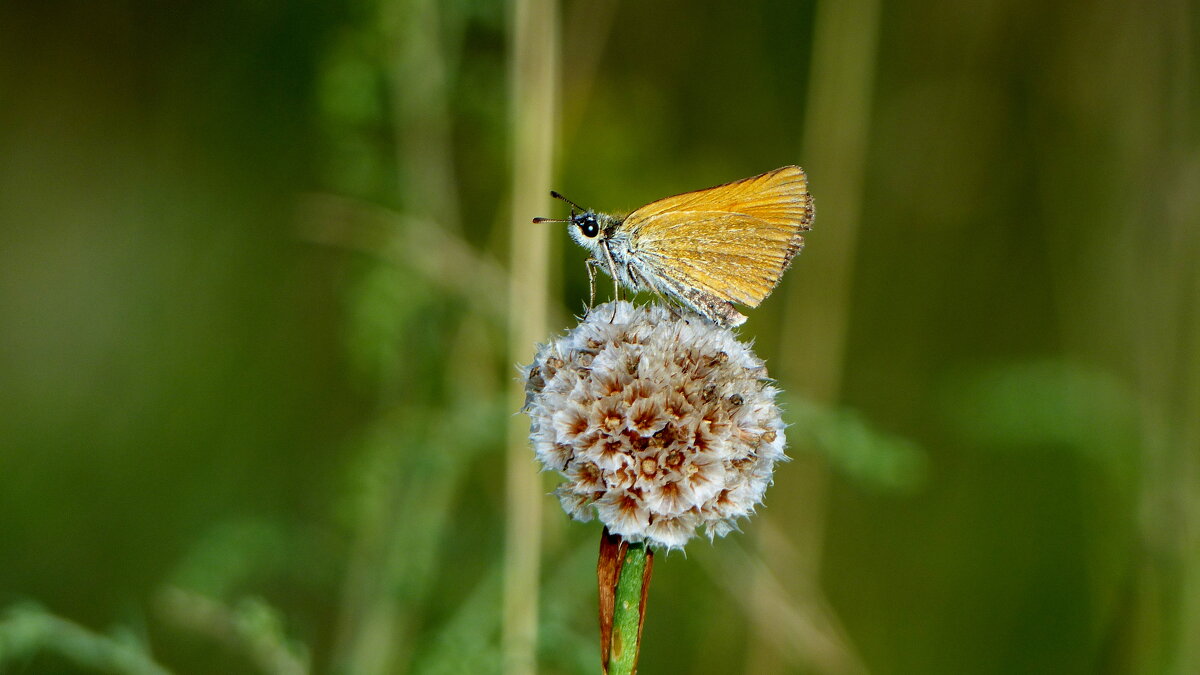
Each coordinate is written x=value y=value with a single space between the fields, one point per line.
x=253 y=360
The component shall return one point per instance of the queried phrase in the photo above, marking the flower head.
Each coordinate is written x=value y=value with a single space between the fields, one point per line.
x=660 y=424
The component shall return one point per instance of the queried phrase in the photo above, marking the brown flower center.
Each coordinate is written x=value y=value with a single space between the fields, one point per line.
x=649 y=466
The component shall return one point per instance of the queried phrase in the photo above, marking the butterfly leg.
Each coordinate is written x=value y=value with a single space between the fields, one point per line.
x=591 y=270
x=612 y=269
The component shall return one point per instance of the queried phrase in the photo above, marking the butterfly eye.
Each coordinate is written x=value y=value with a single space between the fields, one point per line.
x=588 y=227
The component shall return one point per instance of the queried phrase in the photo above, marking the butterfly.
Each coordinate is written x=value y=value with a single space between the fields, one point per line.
x=706 y=249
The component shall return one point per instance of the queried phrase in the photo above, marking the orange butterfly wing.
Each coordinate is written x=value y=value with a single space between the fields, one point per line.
x=733 y=241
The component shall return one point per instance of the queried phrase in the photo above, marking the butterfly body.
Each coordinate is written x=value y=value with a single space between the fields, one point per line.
x=706 y=249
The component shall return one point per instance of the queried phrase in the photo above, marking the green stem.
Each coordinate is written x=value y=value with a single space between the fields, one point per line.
x=628 y=610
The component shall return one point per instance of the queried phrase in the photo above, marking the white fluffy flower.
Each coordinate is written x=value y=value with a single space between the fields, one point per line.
x=660 y=424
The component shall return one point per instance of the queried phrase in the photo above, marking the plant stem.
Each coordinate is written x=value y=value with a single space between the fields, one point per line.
x=629 y=609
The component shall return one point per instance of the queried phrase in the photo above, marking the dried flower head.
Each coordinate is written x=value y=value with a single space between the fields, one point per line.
x=659 y=423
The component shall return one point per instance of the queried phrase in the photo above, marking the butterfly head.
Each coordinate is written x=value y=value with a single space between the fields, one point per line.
x=587 y=227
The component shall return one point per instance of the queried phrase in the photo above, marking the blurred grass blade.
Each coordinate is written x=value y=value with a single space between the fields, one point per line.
x=251 y=626
x=409 y=481
x=437 y=253
x=833 y=151
x=855 y=448
x=798 y=626
x=816 y=315
x=533 y=69
x=567 y=620
x=466 y=642
x=28 y=629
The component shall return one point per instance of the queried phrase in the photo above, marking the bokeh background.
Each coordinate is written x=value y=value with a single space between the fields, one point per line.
x=266 y=271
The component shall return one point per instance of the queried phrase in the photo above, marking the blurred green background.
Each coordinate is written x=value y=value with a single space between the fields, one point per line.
x=258 y=331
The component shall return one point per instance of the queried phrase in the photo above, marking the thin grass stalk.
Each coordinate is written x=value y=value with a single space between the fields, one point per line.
x=1168 y=339
x=590 y=22
x=837 y=124
x=1183 y=212
x=533 y=96
x=834 y=149
x=803 y=631
x=1151 y=271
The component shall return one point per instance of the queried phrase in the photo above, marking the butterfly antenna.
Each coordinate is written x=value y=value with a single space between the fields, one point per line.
x=557 y=195
x=551 y=220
